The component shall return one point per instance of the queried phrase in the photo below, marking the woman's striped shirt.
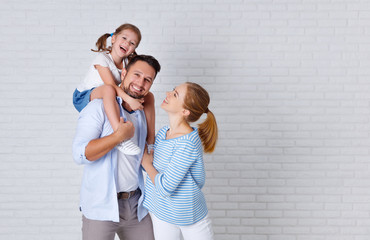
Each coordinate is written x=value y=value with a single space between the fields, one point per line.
x=176 y=197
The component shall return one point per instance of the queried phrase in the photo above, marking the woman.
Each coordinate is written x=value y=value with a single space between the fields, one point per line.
x=176 y=176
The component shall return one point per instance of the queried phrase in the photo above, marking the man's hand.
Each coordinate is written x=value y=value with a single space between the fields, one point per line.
x=97 y=148
x=124 y=131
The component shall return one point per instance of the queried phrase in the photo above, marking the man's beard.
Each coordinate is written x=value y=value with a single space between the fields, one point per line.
x=132 y=94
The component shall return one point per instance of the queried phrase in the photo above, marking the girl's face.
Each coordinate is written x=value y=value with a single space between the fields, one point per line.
x=124 y=43
x=174 y=101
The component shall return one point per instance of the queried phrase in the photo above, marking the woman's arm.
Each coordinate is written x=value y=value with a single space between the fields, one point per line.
x=147 y=163
x=166 y=182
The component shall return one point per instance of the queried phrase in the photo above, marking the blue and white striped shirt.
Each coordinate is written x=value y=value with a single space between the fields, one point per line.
x=176 y=197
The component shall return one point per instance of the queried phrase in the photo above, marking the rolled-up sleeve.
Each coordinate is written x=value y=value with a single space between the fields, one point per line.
x=89 y=127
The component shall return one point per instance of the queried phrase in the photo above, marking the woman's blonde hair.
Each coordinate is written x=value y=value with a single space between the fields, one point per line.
x=197 y=101
x=101 y=43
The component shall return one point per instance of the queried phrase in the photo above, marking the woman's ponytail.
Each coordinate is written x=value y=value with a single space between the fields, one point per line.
x=208 y=132
x=196 y=101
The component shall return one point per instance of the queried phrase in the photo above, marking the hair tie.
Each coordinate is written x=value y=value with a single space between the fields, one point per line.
x=206 y=111
x=111 y=35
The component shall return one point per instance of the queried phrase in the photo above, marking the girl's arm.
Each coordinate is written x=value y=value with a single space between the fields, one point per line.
x=88 y=145
x=107 y=77
x=149 y=111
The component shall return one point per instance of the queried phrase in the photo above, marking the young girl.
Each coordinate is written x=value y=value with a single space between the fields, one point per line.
x=103 y=78
x=176 y=176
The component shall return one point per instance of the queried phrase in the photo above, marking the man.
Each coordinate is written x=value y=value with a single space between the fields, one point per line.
x=112 y=184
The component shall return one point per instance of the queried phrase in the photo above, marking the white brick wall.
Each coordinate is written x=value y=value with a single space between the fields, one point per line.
x=289 y=81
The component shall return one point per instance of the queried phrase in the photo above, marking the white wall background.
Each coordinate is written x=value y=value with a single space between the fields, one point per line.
x=290 y=87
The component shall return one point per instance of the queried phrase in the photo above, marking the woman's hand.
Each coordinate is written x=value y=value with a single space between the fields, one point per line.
x=147 y=159
x=147 y=163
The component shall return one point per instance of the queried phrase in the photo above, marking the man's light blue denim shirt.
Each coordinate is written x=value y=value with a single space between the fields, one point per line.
x=98 y=196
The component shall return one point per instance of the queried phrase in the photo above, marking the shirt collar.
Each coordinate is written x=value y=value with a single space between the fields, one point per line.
x=120 y=101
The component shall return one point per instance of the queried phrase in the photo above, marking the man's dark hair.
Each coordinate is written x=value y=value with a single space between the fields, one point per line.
x=145 y=58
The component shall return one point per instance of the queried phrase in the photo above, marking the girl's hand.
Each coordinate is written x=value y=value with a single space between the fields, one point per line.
x=135 y=104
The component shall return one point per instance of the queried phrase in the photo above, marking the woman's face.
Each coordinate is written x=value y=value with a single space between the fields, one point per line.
x=174 y=101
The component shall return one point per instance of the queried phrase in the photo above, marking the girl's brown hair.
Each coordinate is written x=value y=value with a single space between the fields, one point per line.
x=197 y=101
x=101 y=43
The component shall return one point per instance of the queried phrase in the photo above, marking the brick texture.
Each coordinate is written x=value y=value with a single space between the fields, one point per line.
x=289 y=85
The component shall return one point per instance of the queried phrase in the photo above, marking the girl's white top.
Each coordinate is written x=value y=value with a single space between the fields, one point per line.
x=93 y=79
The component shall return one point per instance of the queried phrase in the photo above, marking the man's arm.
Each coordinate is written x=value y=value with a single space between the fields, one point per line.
x=88 y=145
x=97 y=148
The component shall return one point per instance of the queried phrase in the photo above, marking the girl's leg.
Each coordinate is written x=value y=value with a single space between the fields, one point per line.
x=108 y=94
x=163 y=230
x=201 y=230
x=111 y=108
x=149 y=111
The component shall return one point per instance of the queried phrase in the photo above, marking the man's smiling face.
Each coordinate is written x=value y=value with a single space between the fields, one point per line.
x=138 y=79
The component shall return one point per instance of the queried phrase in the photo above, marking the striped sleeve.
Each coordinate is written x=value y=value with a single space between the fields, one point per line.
x=183 y=157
